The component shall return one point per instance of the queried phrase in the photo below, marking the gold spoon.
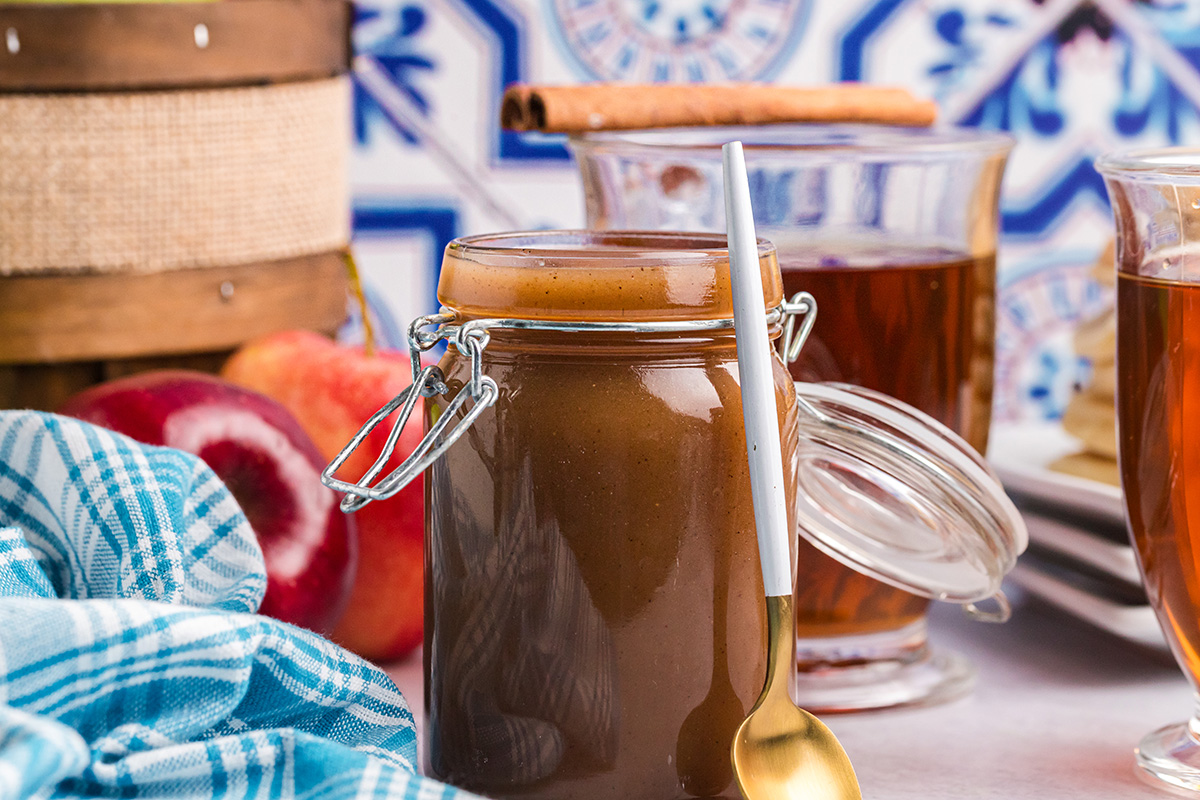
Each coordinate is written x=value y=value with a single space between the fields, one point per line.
x=779 y=752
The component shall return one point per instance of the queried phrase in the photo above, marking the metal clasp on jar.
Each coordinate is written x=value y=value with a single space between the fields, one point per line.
x=470 y=339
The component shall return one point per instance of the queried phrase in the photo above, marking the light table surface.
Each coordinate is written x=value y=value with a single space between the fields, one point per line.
x=1056 y=712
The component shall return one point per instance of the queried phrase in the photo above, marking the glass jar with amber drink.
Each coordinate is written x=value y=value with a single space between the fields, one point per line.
x=893 y=231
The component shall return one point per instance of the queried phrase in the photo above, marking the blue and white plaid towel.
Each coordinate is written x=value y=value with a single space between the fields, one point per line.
x=131 y=662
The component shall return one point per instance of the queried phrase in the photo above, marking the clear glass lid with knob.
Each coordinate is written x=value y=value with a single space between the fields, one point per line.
x=891 y=492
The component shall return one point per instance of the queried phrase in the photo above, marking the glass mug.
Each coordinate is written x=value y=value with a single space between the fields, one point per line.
x=1155 y=196
x=594 y=608
x=893 y=231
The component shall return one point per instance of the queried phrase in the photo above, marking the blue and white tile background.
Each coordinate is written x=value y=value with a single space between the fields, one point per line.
x=1069 y=78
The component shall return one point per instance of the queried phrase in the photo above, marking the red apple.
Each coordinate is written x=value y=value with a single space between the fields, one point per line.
x=332 y=389
x=269 y=464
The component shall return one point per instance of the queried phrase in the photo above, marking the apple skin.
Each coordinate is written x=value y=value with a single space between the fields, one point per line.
x=268 y=463
x=332 y=390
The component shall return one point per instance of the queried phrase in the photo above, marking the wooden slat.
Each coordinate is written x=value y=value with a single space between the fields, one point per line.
x=45 y=387
x=117 y=46
x=48 y=319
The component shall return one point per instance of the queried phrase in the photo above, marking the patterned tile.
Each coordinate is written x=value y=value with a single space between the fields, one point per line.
x=1069 y=78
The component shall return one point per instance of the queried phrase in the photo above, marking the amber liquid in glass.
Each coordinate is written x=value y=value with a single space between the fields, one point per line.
x=917 y=324
x=1158 y=403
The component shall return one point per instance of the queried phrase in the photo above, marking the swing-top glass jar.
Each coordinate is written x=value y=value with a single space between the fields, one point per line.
x=594 y=622
x=594 y=616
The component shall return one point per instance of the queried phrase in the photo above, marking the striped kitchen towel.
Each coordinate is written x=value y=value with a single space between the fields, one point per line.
x=131 y=662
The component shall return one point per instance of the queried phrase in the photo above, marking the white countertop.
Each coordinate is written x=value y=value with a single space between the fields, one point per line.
x=1056 y=712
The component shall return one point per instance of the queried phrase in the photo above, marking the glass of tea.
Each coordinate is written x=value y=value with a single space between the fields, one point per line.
x=1155 y=196
x=893 y=231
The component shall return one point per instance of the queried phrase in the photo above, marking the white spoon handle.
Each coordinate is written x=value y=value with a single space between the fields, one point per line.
x=757 y=381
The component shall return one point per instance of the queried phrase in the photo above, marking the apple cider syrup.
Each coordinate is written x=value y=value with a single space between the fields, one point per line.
x=594 y=617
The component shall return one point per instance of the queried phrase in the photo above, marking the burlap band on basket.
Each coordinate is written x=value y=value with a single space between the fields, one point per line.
x=158 y=181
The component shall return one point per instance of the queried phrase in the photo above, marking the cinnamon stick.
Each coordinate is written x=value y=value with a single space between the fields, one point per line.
x=616 y=106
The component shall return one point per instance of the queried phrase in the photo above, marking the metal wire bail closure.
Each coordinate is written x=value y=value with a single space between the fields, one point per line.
x=470 y=338
x=804 y=306
x=428 y=381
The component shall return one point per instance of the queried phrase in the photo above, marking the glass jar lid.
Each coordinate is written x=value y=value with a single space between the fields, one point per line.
x=894 y=494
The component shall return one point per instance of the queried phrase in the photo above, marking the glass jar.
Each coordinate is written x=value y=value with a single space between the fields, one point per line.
x=594 y=606
x=893 y=231
x=594 y=617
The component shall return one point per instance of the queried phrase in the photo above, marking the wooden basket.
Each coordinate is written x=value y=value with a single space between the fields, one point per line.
x=173 y=182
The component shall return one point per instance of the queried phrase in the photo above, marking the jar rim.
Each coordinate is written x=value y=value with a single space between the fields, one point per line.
x=864 y=142
x=584 y=275
x=1152 y=165
x=581 y=245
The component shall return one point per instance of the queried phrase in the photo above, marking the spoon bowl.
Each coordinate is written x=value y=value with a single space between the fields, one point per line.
x=780 y=751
